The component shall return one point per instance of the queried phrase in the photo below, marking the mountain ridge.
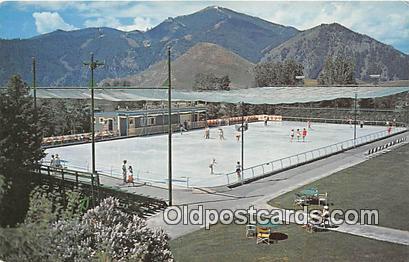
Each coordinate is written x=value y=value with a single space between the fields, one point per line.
x=313 y=46
x=60 y=54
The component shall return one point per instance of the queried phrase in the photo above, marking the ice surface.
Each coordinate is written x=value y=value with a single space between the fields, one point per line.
x=264 y=95
x=192 y=154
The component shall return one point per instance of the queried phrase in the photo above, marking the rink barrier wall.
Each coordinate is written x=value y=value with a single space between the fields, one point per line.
x=340 y=121
x=260 y=171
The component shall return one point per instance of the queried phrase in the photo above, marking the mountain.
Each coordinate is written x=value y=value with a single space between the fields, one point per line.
x=60 y=54
x=201 y=58
x=313 y=46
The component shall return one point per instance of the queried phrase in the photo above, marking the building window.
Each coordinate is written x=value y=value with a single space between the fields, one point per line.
x=101 y=120
x=151 y=121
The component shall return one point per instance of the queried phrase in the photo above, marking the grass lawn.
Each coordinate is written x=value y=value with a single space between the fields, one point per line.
x=379 y=183
x=228 y=243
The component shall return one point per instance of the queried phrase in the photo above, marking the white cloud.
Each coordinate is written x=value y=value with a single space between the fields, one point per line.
x=102 y=22
x=139 y=23
x=50 y=21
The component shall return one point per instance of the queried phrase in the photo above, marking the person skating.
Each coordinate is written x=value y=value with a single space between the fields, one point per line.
x=304 y=134
x=130 y=175
x=298 y=135
x=211 y=166
x=292 y=135
x=221 y=133
x=207 y=133
x=238 y=134
x=238 y=171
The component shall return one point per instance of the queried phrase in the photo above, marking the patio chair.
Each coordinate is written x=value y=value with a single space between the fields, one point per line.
x=323 y=198
x=250 y=231
x=263 y=235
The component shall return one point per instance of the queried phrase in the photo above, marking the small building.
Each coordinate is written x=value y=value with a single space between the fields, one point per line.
x=149 y=121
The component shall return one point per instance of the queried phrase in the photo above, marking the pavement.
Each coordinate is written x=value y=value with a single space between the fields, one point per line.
x=259 y=192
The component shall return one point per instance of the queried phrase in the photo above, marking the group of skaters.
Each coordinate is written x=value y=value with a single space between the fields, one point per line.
x=299 y=134
x=183 y=127
x=127 y=173
x=238 y=168
x=219 y=131
x=55 y=161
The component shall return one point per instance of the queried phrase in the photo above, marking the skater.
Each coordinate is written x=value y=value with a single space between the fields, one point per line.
x=350 y=122
x=304 y=134
x=221 y=134
x=185 y=125
x=238 y=171
x=207 y=132
x=238 y=134
x=182 y=128
x=130 y=175
x=124 y=171
x=389 y=129
x=291 y=135
x=246 y=124
x=361 y=124
x=309 y=124
x=298 y=134
x=265 y=122
x=211 y=166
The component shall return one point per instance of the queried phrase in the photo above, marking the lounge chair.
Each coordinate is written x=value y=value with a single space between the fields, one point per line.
x=263 y=235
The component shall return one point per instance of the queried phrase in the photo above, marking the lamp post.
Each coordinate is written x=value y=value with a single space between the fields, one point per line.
x=242 y=139
x=355 y=116
x=170 y=130
x=93 y=64
x=34 y=87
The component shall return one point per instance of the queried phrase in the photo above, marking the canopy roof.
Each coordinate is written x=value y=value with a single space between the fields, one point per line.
x=262 y=95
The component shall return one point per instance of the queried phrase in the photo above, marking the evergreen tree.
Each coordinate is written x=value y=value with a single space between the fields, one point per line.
x=337 y=71
x=20 y=136
x=278 y=74
x=20 y=149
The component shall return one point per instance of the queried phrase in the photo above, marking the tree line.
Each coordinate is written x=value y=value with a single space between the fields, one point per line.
x=278 y=73
x=210 y=82
x=336 y=71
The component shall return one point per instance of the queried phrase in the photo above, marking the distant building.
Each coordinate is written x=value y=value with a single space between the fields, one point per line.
x=149 y=121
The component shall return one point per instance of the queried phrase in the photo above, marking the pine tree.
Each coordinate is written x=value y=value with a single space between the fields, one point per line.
x=20 y=136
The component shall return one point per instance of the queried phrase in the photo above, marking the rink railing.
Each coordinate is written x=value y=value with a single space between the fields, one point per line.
x=265 y=169
x=341 y=121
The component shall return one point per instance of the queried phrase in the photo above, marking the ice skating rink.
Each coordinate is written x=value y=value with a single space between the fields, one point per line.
x=192 y=153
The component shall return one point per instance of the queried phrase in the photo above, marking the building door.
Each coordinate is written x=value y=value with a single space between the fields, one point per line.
x=123 y=126
x=110 y=124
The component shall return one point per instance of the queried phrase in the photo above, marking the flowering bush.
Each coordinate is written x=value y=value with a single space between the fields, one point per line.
x=108 y=232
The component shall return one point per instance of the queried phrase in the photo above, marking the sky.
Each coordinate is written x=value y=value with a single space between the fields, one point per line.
x=386 y=21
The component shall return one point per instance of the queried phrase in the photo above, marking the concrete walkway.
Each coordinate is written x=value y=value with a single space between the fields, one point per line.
x=259 y=192
x=376 y=232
